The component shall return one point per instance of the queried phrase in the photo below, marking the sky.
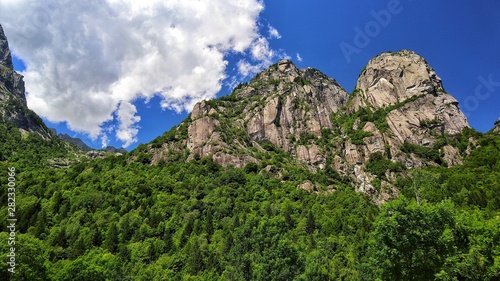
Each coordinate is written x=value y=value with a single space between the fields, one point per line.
x=120 y=72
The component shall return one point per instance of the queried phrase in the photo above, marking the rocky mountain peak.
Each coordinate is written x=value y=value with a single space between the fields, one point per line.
x=281 y=106
x=5 y=56
x=286 y=65
x=393 y=77
x=496 y=128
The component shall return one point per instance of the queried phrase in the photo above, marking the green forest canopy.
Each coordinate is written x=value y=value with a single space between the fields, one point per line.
x=112 y=219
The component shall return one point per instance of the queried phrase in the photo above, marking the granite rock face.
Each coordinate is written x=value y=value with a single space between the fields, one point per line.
x=496 y=128
x=5 y=56
x=416 y=107
x=393 y=78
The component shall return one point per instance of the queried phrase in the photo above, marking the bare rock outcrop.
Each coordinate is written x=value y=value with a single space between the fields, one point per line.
x=496 y=128
x=5 y=56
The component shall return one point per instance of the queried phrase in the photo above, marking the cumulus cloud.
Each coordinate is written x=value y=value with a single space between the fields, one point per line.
x=87 y=61
x=299 y=58
x=261 y=55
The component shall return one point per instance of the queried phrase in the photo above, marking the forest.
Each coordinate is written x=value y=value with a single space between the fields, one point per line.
x=118 y=219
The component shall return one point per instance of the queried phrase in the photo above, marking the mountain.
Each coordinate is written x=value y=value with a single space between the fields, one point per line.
x=279 y=106
x=288 y=178
x=76 y=141
x=83 y=146
x=397 y=118
x=13 y=106
x=399 y=115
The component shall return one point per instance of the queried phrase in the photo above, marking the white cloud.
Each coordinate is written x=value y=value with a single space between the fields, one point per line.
x=299 y=58
x=273 y=33
x=87 y=61
x=261 y=54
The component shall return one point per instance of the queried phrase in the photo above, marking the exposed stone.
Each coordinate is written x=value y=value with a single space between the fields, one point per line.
x=374 y=143
x=200 y=131
x=283 y=65
x=419 y=108
x=5 y=56
x=451 y=155
x=307 y=185
x=310 y=154
x=393 y=77
x=351 y=154
x=496 y=129
x=95 y=154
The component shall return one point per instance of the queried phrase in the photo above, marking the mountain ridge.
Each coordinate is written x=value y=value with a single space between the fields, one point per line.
x=399 y=115
x=399 y=111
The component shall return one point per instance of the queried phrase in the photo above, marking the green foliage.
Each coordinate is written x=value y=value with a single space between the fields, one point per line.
x=411 y=242
x=429 y=123
x=432 y=241
x=306 y=138
x=364 y=115
x=378 y=164
x=109 y=220
x=19 y=149
x=116 y=219
x=426 y=153
x=302 y=81
x=269 y=146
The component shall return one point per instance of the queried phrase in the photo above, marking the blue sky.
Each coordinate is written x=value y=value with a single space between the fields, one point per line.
x=459 y=39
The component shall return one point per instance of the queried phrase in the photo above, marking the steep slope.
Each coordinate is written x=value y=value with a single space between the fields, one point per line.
x=76 y=141
x=13 y=107
x=399 y=116
x=496 y=128
x=406 y=104
x=406 y=81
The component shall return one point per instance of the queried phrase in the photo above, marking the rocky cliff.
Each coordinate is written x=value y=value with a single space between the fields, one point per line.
x=13 y=107
x=496 y=128
x=398 y=117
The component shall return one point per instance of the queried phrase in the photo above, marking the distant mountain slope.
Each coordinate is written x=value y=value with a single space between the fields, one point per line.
x=83 y=146
x=76 y=141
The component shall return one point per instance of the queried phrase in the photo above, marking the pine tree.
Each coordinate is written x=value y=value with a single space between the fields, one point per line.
x=111 y=242
x=310 y=223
